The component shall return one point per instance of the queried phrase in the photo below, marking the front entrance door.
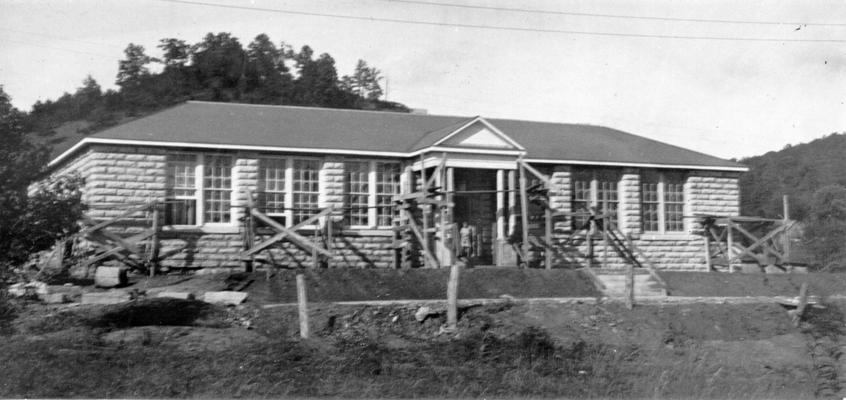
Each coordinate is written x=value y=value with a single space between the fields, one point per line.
x=475 y=203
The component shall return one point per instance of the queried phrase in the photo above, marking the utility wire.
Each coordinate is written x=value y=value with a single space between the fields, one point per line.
x=55 y=48
x=620 y=16
x=502 y=28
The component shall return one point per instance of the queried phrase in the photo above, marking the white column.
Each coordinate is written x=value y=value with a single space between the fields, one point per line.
x=500 y=204
x=512 y=201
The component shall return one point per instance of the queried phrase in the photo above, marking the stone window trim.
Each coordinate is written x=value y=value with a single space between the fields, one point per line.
x=376 y=193
x=595 y=187
x=663 y=203
x=190 y=179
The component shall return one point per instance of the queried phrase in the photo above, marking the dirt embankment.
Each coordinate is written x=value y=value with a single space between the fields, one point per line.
x=182 y=348
x=186 y=348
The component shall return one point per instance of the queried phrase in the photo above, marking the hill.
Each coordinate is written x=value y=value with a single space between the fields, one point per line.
x=797 y=171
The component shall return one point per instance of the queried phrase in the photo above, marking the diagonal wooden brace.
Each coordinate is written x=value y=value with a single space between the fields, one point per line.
x=285 y=232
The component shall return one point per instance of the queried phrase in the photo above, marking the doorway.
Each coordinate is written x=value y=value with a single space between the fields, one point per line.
x=475 y=203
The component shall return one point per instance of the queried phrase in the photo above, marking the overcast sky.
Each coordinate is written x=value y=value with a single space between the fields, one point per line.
x=775 y=76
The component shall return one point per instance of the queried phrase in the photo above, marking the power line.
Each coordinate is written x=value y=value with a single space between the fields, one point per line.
x=620 y=16
x=502 y=28
x=56 y=48
x=60 y=37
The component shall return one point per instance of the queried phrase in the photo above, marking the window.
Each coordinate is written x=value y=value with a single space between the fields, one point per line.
x=356 y=187
x=662 y=202
x=217 y=189
x=370 y=187
x=193 y=201
x=387 y=185
x=181 y=204
x=597 y=188
x=271 y=188
x=305 y=190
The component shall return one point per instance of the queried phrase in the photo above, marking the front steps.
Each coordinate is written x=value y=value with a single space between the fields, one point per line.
x=644 y=285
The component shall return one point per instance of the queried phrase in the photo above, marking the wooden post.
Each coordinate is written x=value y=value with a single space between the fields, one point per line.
x=314 y=258
x=589 y=238
x=630 y=286
x=605 y=243
x=452 y=296
x=424 y=208
x=803 y=302
x=302 y=306
x=730 y=245
x=154 y=241
x=449 y=221
x=786 y=243
x=512 y=203
x=329 y=244
x=524 y=210
x=708 y=252
x=548 y=233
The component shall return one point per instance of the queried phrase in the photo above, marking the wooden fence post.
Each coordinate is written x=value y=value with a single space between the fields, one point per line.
x=302 y=305
x=786 y=243
x=452 y=297
x=630 y=286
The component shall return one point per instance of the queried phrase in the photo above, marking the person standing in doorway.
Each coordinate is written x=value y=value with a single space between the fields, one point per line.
x=466 y=236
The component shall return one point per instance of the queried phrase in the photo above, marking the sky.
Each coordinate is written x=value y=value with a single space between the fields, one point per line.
x=727 y=78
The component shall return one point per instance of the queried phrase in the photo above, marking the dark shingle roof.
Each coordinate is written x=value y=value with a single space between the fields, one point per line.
x=352 y=130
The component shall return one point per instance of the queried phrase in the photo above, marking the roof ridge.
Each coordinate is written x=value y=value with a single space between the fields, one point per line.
x=350 y=110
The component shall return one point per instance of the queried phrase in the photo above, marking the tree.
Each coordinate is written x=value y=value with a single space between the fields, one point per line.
x=175 y=52
x=267 y=76
x=364 y=82
x=133 y=69
x=825 y=231
x=219 y=62
x=31 y=222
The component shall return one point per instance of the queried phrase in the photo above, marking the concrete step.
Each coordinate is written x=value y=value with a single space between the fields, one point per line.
x=644 y=285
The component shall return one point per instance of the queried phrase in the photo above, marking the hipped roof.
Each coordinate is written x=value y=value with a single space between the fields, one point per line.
x=230 y=125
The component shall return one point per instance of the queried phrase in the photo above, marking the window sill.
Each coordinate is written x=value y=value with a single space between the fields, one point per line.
x=200 y=228
x=367 y=232
x=665 y=236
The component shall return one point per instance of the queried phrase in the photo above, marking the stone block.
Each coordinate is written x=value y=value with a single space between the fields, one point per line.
x=225 y=297
x=55 y=298
x=176 y=295
x=111 y=297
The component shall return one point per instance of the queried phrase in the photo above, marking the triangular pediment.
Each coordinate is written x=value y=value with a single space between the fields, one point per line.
x=479 y=134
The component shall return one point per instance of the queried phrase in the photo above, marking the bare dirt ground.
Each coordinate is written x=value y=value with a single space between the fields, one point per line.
x=187 y=348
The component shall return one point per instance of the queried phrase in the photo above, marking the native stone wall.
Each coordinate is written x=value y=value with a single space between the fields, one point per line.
x=705 y=192
x=118 y=178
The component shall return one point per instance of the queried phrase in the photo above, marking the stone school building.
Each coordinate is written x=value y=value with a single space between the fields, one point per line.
x=199 y=161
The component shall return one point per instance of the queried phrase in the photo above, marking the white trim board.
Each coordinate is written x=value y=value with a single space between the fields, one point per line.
x=399 y=154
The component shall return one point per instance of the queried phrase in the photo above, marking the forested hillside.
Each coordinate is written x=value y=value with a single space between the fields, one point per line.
x=797 y=171
x=813 y=176
x=218 y=68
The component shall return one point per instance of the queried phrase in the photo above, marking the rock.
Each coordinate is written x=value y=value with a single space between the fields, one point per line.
x=422 y=313
x=109 y=277
x=750 y=268
x=110 y=297
x=177 y=295
x=225 y=297
x=772 y=269
x=797 y=270
x=34 y=288
x=55 y=298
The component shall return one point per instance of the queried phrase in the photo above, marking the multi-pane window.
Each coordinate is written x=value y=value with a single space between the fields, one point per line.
x=305 y=190
x=271 y=187
x=217 y=189
x=582 y=197
x=387 y=185
x=181 y=204
x=357 y=189
x=595 y=188
x=650 y=204
x=199 y=189
x=662 y=202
